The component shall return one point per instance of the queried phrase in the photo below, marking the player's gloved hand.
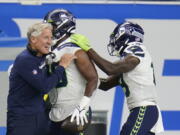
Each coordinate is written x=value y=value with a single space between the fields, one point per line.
x=75 y=115
x=81 y=41
x=103 y=79
x=104 y=85
x=83 y=116
x=80 y=112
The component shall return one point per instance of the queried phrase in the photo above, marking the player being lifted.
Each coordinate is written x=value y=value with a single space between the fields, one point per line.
x=73 y=95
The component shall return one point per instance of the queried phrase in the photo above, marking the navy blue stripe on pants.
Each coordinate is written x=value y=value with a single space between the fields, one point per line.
x=140 y=121
x=37 y=124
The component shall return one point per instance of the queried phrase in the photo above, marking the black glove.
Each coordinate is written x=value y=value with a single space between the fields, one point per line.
x=103 y=84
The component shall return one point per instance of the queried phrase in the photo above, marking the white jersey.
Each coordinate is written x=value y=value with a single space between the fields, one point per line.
x=68 y=97
x=139 y=84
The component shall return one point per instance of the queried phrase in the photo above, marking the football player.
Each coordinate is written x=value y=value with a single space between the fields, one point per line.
x=134 y=73
x=70 y=98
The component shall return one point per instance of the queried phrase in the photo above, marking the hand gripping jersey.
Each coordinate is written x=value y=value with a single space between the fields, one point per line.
x=68 y=97
x=139 y=84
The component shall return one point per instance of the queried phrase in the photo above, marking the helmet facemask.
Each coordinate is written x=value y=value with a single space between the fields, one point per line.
x=118 y=41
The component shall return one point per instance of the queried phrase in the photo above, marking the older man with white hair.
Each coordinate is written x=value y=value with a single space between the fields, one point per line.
x=29 y=81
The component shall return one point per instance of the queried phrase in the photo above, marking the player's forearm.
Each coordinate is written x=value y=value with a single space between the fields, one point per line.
x=90 y=87
x=102 y=63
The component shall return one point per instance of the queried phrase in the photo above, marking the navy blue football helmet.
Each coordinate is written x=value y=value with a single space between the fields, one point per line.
x=63 y=22
x=122 y=35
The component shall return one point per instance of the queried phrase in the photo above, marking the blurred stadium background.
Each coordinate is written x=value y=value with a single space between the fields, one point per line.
x=96 y=19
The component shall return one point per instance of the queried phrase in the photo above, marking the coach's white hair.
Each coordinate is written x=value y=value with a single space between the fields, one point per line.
x=37 y=28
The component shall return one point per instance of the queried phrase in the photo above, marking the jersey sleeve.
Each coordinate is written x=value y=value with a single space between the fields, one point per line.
x=136 y=51
x=65 y=48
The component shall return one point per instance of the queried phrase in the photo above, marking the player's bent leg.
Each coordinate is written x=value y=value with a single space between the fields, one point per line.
x=140 y=121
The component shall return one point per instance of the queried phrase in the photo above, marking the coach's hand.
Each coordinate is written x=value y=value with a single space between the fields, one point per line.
x=81 y=41
x=80 y=112
x=66 y=59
